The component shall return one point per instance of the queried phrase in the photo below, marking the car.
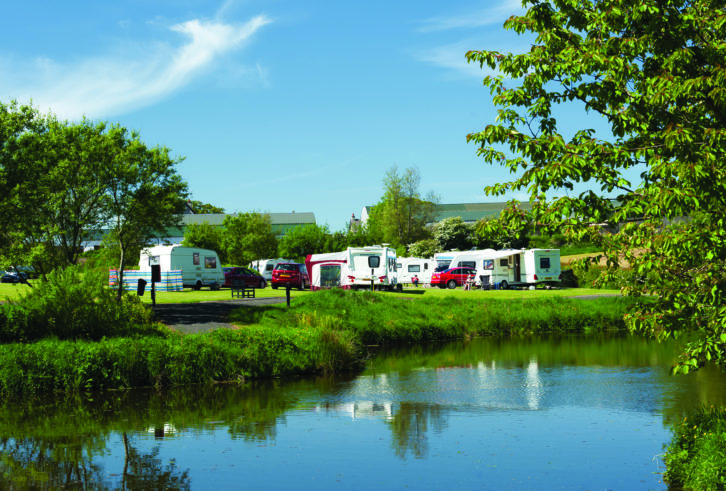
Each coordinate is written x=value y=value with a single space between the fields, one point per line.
x=295 y=274
x=251 y=277
x=452 y=277
x=13 y=277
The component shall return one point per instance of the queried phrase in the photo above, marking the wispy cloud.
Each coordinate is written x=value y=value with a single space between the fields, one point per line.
x=116 y=84
x=492 y=15
x=452 y=57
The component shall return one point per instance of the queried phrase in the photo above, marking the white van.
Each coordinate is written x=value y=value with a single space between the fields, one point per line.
x=266 y=266
x=199 y=267
x=360 y=272
x=408 y=267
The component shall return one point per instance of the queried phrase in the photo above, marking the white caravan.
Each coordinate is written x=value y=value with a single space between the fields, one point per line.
x=328 y=270
x=407 y=267
x=199 y=267
x=380 y=268
x=509 y=267
x=265 y=266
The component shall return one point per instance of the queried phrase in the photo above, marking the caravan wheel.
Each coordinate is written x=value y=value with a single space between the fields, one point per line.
x=197 y=285
x=504 y=285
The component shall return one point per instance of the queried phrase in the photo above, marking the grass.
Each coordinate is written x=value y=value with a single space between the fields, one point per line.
x=325 y=331
x=696 y=458
x=12 y=291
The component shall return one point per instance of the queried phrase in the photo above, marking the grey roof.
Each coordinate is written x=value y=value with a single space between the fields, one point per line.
x=303 y=218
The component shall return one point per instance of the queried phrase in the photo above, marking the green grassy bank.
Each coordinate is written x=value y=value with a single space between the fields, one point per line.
x=696 y=457
x=329 y=331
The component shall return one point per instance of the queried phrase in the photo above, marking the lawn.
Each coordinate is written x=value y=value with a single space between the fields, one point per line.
x=12 y=291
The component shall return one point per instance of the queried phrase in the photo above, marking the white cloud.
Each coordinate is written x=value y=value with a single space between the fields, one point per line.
x=112 y=85
x=452 y=57
x=493 y=15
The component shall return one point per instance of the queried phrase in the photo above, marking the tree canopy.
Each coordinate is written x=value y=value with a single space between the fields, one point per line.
x=62 y=182
x=653 y=73
x=248 y=237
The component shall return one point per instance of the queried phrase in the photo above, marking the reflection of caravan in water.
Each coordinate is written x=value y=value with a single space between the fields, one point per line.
x=380 y=268
x=407 y=267
x=509 y=267
x=199 y=267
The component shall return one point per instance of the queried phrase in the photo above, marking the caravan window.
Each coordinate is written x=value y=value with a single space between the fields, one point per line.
x=269 y=267
x=544 y=263
x=195 y=258
x=414 y=268
x=210 y=262
x=467 y=264
x=488 y=264
x=398 y=265
x=504 y=262
x=426 y=266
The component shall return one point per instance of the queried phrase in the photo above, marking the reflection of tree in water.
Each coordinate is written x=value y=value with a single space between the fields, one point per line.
x=145 y=471
x=29 y=463
x=410 y=424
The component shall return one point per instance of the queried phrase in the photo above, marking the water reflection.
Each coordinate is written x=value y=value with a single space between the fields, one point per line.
x=563 y=397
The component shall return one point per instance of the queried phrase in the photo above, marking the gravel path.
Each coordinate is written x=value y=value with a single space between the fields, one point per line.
x=204 y=316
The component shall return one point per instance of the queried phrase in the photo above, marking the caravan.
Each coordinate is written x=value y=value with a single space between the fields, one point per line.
x=373 y=266
x=266 y=266
x=199 y=267
x=508 y=267
x=328 y=270
x=408 y=267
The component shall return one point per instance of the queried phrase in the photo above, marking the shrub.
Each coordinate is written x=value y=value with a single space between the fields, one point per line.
x=696 y=458
x=72 y=305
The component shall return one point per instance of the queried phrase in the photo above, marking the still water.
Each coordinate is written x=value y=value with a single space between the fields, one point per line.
x=565 y=412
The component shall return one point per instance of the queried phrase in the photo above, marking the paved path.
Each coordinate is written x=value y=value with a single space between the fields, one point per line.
x=204 y=316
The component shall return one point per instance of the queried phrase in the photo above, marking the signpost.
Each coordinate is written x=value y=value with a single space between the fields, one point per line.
x=373 y=263
x=155 y=276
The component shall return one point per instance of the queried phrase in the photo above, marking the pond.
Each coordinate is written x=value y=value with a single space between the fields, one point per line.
x=561 y=412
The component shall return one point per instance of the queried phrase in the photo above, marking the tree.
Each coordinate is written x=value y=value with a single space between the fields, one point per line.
x=204 y=208
x=19 y=194
x=653 y=71
x=205 y=236
x=301 y=241
x=402 y=215
x=146 y=195
x=248 y=237
x=424 y=248
x=453 y=234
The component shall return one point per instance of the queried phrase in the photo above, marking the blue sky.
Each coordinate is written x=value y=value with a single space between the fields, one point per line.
x=275 y=105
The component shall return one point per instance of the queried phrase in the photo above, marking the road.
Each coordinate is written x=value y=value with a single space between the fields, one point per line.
x=204 y=316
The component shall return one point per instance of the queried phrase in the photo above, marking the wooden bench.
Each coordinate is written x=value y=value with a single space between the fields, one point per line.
x=240 y=290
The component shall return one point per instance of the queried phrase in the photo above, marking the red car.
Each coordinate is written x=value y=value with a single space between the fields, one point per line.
x=250 y=277
x=294 y=273
x=452 y=277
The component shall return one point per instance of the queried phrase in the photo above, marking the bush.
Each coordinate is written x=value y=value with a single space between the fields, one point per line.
x=73 y=305
x=696 y=458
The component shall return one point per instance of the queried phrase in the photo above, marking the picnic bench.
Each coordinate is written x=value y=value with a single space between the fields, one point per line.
x=240 y=290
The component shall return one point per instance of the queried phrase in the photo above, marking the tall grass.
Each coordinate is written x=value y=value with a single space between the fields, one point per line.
x=378 y=319
x=324 y=332
x=696 y=458
x=72 y=304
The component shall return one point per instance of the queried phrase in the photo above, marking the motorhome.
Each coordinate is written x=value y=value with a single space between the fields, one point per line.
x=266 y=266
x=408 y=267
x=199 y=267
x=373 y=266
x=509 y=267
